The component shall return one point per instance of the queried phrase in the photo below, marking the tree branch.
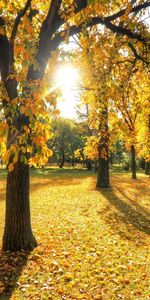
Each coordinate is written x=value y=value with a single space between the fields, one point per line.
x=17 y=20
x=137 y=56
x=15 y=28
x=106 y=21
x=135 y=9
x=125 y=118
x=32 y=14
x=52 y=21
x=4 y=52
x=96 y=21
x=124 y=31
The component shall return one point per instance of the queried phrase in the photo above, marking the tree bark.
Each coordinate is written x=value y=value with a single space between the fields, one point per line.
x=103 y=158
x=18 y=233
x=103 y=173
x=147 y=168
x=133 y=162
x=95 y=165
x=88 y=164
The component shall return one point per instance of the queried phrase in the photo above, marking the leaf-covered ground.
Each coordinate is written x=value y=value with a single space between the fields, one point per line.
x=92 y=244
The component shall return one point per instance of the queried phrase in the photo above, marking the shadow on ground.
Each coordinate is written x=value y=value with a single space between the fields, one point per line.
x=11 y=266
x=137 y=206
x=125 y=214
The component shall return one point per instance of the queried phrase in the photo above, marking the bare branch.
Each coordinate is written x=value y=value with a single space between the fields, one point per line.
x=77 y=43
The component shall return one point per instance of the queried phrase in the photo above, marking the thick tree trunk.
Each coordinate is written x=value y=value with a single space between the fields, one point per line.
x=103 y=158
x=133 y=162
x=18 y=233
x=103 y=172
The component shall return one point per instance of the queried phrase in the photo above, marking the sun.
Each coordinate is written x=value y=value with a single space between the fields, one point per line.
x=67 y=79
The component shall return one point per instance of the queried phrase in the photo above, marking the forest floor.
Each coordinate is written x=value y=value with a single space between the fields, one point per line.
x=92 y=244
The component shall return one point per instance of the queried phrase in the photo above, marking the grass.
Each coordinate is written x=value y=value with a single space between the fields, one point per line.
x=92 y=244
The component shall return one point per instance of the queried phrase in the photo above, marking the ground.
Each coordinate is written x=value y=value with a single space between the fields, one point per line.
x=92 y=244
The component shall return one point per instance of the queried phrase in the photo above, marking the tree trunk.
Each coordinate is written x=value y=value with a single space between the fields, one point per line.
x=88 y=164
x=133 y=162
x=61 y=161
x=103 y=159
x=147 y=168
x=103 y=172
x=73 y=162
x=18 y=233
x=95 y=165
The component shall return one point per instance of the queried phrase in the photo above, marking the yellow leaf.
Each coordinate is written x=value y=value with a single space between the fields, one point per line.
x=22 y=109
x=23 y=149
x=15 y=159
x=11 y=167
x=26 y=129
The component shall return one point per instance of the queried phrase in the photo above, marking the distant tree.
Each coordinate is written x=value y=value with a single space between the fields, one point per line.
x=65 y=140
x=117 y=152
x=130 y=91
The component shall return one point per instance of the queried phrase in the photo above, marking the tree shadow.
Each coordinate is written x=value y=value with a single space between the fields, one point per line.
x=138 y=207
x=125 y=214
x=11 y=267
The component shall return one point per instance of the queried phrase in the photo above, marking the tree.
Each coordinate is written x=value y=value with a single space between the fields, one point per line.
x=144 y=135
x=98 y=63
x=26 y=45
x=65 y=140
x=130 y=93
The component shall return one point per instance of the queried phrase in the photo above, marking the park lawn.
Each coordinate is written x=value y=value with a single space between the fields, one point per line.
x=92 y=244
